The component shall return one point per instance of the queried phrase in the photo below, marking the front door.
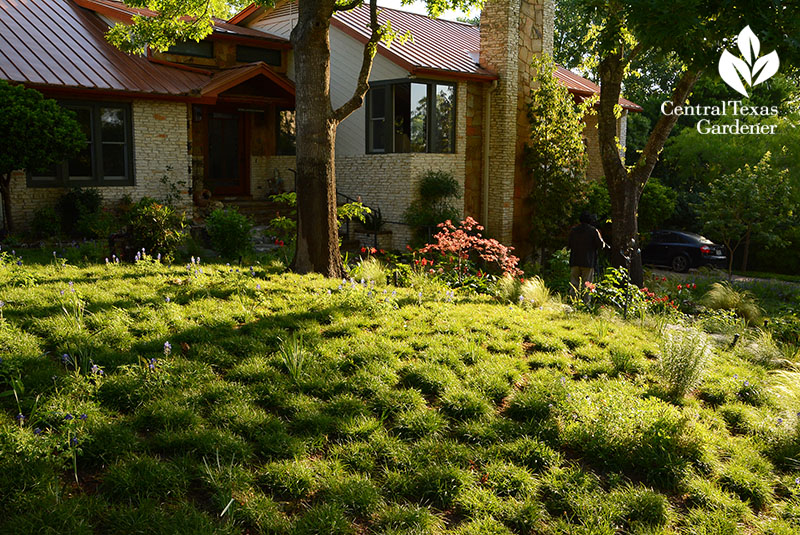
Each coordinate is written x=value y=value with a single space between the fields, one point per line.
x=228 y=154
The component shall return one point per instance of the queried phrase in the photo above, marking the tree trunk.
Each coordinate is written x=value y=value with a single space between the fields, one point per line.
x=5 y=191
x=625 y=227
x=317 y=228
x=746 y=251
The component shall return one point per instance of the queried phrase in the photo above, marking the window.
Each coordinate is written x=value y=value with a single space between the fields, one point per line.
x=411 y=117
x=251 y=54
x=287 y=130
x=107 y=157
x=200 y=49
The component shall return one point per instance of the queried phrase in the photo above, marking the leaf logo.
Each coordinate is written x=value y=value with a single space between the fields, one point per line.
x=752 y=69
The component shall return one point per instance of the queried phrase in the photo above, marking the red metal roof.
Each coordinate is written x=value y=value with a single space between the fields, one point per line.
x=117 y=10
x=56 y=43
x=581 y=86
x=436 y=44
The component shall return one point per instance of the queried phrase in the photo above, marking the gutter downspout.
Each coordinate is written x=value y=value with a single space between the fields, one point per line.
x=487 y=113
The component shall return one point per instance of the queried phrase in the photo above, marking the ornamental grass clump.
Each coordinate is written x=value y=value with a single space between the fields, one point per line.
x=722 y=296
x=682 y=360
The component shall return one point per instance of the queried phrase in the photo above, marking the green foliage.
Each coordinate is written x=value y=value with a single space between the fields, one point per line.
x=748 y=204
x=156 y=228
x=723 y=296
x=555 y=156
x=682 y=360
x=229 y=232
x=46 y=223
x=23 y=112
x=78 y=209
x=433 y=204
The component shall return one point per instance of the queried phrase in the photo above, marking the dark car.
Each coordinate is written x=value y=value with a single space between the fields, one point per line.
x=682 y=250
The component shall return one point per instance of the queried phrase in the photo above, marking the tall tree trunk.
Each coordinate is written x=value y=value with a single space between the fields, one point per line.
x=746 y=251
x=5 y=191
x=317 y=228
x=625 y=186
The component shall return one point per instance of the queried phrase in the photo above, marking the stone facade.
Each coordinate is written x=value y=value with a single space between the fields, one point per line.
x=512 y=33
x=594 y=169
x=160 y=138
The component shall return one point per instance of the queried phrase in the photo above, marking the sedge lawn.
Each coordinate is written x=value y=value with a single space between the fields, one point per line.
x=203 y=399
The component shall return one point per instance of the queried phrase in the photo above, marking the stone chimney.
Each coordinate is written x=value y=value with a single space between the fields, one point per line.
x=512 y=33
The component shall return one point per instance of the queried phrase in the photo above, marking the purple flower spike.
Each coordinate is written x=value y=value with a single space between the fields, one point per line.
x=73 y=441
x=68 y=417
x=84 y=416
x=167 y=348
x=37 y=431
x=20 y=417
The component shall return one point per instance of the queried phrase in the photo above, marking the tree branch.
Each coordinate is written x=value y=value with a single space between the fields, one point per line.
x=655 y=143
x=362 y=86
x=347 y=7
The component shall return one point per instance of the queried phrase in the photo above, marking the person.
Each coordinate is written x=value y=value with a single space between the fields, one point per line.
x=584 y=243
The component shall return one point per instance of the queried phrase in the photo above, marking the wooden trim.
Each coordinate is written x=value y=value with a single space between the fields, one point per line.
x=252 y=41
x=174 y=65
x=85 y=93
x=453 y=75
x=243 y=14
x=244 y=74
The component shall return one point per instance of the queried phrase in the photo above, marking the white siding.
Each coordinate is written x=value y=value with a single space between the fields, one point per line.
x=346 y=56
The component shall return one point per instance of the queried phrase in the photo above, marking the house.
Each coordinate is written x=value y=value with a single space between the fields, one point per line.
x=217 y=115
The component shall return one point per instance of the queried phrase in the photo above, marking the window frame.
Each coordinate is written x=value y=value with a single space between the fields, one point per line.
x=62 y=177
x=389 y=118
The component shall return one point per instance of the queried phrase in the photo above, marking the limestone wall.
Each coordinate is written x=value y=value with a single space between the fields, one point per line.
x=160 y=137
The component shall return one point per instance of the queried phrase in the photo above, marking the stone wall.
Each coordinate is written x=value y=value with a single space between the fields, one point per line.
x=594 y=169
x=513 y=32
x=160 y=138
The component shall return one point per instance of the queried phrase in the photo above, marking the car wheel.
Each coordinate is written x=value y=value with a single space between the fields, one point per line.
x=680 y=263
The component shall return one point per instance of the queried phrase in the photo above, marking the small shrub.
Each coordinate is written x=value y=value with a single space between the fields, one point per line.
x=229 y=232
x=682 y=362
x=77 y=209
x=433 y=204
x=723 y=296
x=46 y=223
x=156 y=228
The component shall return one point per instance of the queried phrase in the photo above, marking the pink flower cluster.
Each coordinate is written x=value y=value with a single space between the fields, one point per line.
x=466 y=240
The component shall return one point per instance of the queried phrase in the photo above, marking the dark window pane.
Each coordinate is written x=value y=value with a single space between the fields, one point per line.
x=402 y=118
x=203 y=49
x=112 y=124
x=80 y=166
x=378 y=104
x=113 y=160
x=377 y=119
x=419 y=117
x=251 y=54
x=287 y=131
x=84 y=118
x=445 y=116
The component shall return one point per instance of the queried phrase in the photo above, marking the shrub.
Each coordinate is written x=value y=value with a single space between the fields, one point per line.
x=156 y=228
x=46 y=223
x=461 y=250
x=433 y=205
x=723 y=296
x=229 y=232
x=77 y=209
x=683 y=358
